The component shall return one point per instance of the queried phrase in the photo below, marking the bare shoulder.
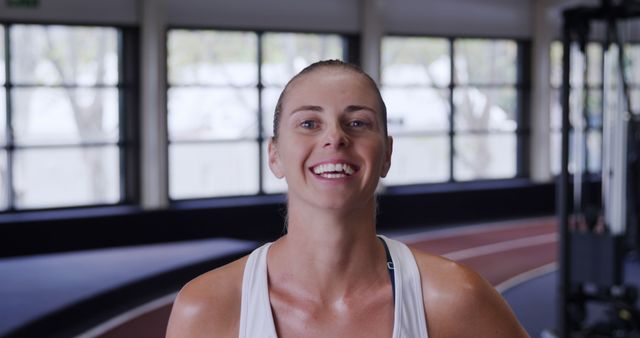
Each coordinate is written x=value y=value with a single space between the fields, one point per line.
x=454 y=294
x=209 y=305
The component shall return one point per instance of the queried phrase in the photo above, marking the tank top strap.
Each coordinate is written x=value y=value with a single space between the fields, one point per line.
x=256 y=319
x=409 y=314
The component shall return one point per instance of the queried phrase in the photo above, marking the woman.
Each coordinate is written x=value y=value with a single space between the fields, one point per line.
x=330 y=275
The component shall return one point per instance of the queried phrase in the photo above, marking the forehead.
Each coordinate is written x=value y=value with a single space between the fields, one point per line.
x=331 y=86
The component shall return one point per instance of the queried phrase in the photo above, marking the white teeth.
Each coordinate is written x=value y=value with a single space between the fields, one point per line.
x=334 y=175
x=348 y=170
x=333 y=170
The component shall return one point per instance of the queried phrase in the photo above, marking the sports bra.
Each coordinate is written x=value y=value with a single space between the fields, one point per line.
x=256 y=318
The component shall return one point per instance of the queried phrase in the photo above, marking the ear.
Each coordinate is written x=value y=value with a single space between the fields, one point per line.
x=386 y=165
x=274 y=159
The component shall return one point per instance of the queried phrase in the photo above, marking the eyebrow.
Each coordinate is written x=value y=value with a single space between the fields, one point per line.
x=348 y=109
x=307 y=108
x=355 y=108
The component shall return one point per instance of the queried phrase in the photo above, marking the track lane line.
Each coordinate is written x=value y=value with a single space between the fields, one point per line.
x=429 y=235
x=501 y=246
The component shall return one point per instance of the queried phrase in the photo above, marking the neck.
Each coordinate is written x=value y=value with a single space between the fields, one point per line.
x=330 y=252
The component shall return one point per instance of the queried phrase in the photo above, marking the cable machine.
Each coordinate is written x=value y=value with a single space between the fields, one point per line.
x=596 y=232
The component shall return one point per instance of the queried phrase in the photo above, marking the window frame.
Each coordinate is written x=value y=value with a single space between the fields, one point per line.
x=586 y=88
x=522 y=87
x=126 y=145
x=350 y=45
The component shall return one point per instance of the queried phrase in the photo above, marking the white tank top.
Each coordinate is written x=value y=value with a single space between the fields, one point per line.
x=256 y=319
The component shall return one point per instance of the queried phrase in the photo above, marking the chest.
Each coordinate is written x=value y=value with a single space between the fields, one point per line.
x=373 y=317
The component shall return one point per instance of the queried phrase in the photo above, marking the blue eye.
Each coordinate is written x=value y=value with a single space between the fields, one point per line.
x=308 y=124
x=357 y=124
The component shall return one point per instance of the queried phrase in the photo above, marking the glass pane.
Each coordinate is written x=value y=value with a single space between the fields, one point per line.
x=3 y=115
x=416 y=109
x=63 y=115
x=594 y=108
x=578 y=60
x=212 y=113
x=632 y=53
x=3 y=180
x=577 y=65
x=594 y=57
x=484 y=156
x=555 y=152
x=272 y=185
x=576 y=102
x=485 y=109
x=485 y=61
x=269 y=100
x=556 y=64
x=208 y=170
x=66 y=177
x=212 y=57
x=555 y=111
x=285 y=54
x=415 y=61
x=594 y=151
x=3 y=76
x=419 y=160
x=635 y=101
x=64 y=55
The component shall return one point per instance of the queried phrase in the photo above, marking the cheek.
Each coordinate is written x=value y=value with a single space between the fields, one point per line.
x=292 y=158
x=375 y=152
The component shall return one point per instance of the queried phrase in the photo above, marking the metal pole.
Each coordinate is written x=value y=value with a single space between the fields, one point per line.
x=563 y=186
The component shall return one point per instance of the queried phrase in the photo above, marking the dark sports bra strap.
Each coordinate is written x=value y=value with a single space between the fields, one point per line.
x=390 y=268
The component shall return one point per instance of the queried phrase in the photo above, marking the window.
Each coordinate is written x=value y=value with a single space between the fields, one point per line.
x=223 y=88
x=632 y=58
x=585 y=101
x=60 y=126
x=453 y=108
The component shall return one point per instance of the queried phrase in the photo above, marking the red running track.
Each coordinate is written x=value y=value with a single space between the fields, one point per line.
x=504 y=253
x=498 y=251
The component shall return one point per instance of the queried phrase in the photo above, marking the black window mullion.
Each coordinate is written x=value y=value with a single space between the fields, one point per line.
x=351 y=49
x=452 y=110
x=261 y=138
x=9 y=188
x=601 y=88
x=127 y=95
x=523 y=106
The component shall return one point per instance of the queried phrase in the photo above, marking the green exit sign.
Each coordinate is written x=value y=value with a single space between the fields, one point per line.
x=23 y=3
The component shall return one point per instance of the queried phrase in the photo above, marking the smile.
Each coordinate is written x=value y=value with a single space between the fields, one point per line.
x=334 y=170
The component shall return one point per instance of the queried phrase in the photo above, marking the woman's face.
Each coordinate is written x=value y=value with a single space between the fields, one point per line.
x=331 y=146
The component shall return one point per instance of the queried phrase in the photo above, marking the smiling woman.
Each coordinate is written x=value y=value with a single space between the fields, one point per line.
x=331 y=275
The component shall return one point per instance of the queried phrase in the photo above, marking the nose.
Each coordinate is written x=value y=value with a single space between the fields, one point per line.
x=336 y=137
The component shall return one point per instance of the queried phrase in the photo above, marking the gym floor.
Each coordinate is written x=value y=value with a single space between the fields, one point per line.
x=136 y=286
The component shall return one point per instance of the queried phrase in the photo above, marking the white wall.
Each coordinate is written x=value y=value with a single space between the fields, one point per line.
x=124 y=12
x=508 y=18
x=493 y=18
x=308 y=15
x=499 y=18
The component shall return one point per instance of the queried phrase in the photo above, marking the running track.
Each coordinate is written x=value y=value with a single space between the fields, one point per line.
x=504 y=253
